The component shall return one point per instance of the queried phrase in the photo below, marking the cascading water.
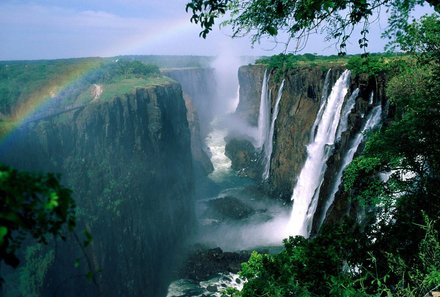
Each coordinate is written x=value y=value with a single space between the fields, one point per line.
x=268 y=146
x=371 y=100
x=322 y=106
x=216 y=143
x=310 y=179
x=234 y=104
x=264 y=112
x=343 y=125
x=373 y=120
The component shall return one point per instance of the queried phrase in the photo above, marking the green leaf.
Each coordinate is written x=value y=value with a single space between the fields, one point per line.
x=3 y=232
x=76 y=264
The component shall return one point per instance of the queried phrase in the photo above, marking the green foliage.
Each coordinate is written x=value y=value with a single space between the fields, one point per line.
x=26 y=82
x=298 y=19
x=420 y=37
x=372 y=64
x=286 y=61
x=32 y=205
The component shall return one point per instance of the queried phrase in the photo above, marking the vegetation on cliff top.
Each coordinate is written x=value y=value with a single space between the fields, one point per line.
x=372 y=64
x=27 y=82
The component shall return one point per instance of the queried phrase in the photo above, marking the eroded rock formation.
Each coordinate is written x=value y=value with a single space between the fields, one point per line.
x=128 y=161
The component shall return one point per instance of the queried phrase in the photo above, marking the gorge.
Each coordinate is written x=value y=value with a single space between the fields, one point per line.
x=151 y=164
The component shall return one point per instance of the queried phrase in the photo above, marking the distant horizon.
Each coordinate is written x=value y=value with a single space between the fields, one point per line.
x=177 y=55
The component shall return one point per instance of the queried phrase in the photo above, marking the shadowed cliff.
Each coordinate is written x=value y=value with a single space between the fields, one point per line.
x=128 y=161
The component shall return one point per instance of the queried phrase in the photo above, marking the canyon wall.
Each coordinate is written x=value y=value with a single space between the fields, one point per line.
x=299 y=106
x=199 y=88
x=128 y=161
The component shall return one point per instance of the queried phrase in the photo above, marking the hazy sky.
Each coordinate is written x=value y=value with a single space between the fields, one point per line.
x=42 y=29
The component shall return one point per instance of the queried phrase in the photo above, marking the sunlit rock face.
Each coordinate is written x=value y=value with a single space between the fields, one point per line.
x=298 y=108
x=301 y=99
x=128 y=161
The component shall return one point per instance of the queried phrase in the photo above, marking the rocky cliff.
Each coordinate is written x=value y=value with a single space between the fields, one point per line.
x=298 y=108
x=299 y=105
x=128 y=161
x=200 y=85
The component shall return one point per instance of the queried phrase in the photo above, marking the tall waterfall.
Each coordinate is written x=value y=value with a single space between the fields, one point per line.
x=268 y=146
x=343 y=125
x=264 y=112
x=306 y=192
x=373 y=120
x=322 y=106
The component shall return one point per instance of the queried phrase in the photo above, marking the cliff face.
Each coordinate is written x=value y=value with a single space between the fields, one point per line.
x=298 y=108
x=129 y=163
x=299 y=105
x=250 y=79
x=198 y=85
x=341 y=205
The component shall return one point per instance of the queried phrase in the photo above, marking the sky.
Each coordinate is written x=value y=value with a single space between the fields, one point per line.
x=52 y=29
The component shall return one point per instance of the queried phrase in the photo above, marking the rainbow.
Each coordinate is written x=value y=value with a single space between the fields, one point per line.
x=37 y=101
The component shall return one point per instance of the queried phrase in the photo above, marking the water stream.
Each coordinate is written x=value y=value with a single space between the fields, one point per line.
x=306 y=192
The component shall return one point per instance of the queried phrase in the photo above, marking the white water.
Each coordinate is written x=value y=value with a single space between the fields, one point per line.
x=268 y=147
x=310 y=179
x=343 y=125
x=371 y=101
x=234 y=104
x=264 y=112
x=216 y=144
x=322 y=106
x=372 y=121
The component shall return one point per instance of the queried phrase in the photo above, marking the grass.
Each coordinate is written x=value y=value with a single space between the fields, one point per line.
x=129 y=86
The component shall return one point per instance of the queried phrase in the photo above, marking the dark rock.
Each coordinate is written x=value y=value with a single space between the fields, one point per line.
x=244 y=157
x=201 y=161
x=204 y=263
x=228 y=208
x=212 y=289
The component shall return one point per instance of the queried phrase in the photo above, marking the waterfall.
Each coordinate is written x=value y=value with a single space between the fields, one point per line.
x=264 y=112
x=268 y=146
x=234 y=104
x=322 y=106
x=343 y=125
x=373 y=119
x=306 y=192
x=371 y=100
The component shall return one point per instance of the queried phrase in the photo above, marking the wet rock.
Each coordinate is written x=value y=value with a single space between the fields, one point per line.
x=212 y=289
x=228 y=208
x=244 y=157
x=205 y=263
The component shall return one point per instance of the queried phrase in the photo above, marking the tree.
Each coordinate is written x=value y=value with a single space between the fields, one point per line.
x=34 y=205
x=300 y=18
